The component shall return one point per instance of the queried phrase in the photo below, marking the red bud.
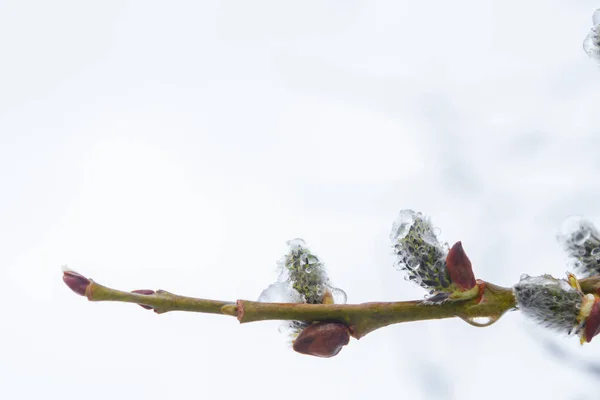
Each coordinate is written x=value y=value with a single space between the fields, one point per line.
x=146 y=292
x=76 y=282
x=459 y=267
x=322 y=339
x=592 y=324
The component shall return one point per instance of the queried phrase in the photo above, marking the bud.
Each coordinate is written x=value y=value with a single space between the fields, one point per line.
x=146 y=292
x=592 y=324
x=302 y=279
x=459 y=267
x=419 y=252
x=427 y=261
x=306 y=274
x=581 y=241
x=322 y=339
x=75 y=281
x=559 y=304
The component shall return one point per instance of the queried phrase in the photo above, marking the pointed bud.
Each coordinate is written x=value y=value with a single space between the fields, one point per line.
x=592 y=324
x=146 y=292
x=459 y=267
x=75 y=281
x=322 y=339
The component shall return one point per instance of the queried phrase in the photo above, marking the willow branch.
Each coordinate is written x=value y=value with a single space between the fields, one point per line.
x=361 y=319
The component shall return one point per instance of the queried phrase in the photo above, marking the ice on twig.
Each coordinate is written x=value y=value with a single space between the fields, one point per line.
x=280 y=292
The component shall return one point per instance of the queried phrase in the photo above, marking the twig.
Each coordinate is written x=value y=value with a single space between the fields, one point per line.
x=361 y=319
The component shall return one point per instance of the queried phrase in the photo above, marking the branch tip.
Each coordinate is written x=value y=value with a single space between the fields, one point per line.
x=75 y=281
x=460 y=268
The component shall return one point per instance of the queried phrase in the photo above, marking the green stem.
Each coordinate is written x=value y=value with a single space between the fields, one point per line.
x=360 y=318
x=161 y=301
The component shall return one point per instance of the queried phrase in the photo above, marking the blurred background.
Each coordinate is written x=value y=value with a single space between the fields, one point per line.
x=180 y=145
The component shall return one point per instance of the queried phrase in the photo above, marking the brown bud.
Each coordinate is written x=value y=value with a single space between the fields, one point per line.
x=459 y=267
x=146 y=292
x=322 y=339
x=75 y=281
x=592 y=324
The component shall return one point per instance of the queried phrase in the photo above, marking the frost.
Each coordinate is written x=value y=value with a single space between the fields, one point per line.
x=280 y=292
x=581 y=240
x=551 y=302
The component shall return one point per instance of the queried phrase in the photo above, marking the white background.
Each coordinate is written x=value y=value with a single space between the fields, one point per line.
x=178 y=145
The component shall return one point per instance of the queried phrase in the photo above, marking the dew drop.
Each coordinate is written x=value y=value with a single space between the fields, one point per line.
x=596 y=252
x=481 y=320
x=312 y=259
x=339 y=296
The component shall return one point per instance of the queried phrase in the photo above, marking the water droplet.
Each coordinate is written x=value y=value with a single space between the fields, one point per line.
x=596 y=252
x=412 y=262
x=312 y=259
x=308 y=270
x=481 y=320
x=339 y=296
